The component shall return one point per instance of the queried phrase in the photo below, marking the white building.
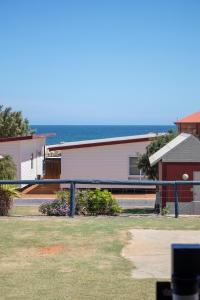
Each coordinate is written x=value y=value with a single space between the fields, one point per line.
x=27 y=153
x=110 y=158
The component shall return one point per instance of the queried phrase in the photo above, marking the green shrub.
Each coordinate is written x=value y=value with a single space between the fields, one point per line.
x=7 y=194
x=90 y=202
x=97 y=202
x=164 y=211
x=63 y=195
x=7 y=168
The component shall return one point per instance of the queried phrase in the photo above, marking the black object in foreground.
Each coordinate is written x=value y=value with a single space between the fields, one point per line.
x=163 y=290
x=185 y=271
x=185 y=274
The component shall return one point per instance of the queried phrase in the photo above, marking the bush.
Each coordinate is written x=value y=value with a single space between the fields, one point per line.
x=58 y=207
x=7 y=168
x=97 y=202
x=7 y=193
x=164 y=211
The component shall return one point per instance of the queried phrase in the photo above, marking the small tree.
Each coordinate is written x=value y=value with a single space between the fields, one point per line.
x=155 y=145
x=12 y=123
x=7 y=192
x=7 y=168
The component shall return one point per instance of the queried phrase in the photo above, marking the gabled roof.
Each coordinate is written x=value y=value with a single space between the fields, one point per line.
x=103 y=142
x=193 y=118
x=160 y=154
x=21 y=138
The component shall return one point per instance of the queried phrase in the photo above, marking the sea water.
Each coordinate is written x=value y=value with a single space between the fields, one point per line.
x=69 y=133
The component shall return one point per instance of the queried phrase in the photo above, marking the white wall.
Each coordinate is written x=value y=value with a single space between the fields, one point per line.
x=40 y=155
x=27 y=148
x=102 y=162
x=21 y=152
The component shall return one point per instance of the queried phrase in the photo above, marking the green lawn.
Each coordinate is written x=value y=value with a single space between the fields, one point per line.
x=25 y=211
x=63 y=258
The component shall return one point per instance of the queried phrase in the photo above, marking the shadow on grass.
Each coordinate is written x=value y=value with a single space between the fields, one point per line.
x=138 y=211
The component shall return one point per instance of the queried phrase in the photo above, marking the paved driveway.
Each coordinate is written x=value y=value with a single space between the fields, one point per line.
x=150 y=250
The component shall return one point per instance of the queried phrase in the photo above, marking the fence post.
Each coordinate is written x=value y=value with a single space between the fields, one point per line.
x=72 y=199
x=176 y=202
x=158 y=204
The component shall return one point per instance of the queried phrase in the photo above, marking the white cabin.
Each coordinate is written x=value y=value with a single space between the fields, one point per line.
x=27 y=153
x=110 y=158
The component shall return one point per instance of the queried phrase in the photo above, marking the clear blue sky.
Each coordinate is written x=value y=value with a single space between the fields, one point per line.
x=100 y=62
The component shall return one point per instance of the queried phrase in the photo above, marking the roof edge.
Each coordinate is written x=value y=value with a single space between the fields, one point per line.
x=190 y=119
x=26 y=137
x=153 y=160
x=88 y=144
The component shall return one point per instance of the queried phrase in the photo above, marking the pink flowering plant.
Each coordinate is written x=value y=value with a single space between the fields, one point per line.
x=58 y=207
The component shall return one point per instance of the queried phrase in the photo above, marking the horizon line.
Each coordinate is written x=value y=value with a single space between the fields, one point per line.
x=103 y=125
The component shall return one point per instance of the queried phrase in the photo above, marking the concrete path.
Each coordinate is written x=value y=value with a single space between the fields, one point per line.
x=150 y=250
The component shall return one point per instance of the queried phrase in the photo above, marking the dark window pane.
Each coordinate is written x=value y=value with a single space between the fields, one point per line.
x=133 y=168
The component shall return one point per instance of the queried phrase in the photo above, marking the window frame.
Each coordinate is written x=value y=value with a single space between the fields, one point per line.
x=139 y=173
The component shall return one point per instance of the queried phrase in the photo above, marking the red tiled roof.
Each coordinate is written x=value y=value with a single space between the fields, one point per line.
x=193 y=118
x=27 y=137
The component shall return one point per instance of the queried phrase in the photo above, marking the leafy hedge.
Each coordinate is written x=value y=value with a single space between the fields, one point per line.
x=97 y=202
x=90 y=202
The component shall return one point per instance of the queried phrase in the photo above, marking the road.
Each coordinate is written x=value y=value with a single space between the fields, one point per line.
x=122 y=202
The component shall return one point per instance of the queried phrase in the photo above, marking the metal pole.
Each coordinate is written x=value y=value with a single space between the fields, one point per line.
x=72 y=199
x=176 y=200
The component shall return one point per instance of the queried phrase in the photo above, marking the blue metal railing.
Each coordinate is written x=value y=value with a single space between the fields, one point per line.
x=99 y=181
x=74 y=182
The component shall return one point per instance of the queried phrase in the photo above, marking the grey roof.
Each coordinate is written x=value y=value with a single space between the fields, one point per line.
x=160 y=154
x=105 y=140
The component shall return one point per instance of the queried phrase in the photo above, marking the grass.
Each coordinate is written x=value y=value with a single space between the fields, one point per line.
x=25 y=211
x=63 y=258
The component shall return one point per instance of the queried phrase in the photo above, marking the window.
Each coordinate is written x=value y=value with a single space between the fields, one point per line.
x=32 y=157
x=39 y=153
x=133 y=168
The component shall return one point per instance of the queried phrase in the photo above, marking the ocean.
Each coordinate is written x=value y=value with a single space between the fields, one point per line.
x=70 y=133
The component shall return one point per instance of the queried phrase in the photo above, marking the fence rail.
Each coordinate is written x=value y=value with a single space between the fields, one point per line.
x=173 y=184
x=99 y=181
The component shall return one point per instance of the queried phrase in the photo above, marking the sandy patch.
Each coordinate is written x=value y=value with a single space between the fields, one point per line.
x=52 y=249
x=150 y=250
